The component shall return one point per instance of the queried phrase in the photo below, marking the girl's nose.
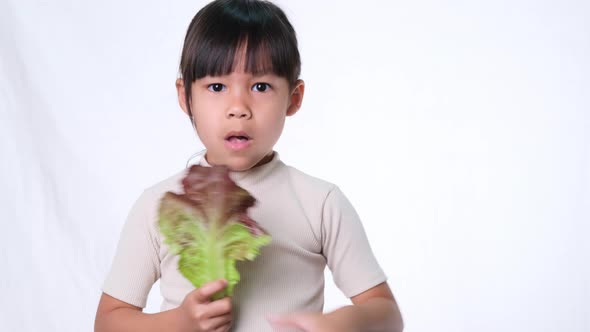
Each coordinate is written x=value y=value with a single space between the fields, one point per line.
x=239 y=109
x=240 y=113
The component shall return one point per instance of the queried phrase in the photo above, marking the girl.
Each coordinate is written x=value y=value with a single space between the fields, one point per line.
x=239 y=81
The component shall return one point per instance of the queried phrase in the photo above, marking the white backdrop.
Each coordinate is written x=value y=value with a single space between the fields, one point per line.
x=460 y=131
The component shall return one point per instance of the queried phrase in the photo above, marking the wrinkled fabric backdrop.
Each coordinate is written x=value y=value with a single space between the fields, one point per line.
x=459 y=130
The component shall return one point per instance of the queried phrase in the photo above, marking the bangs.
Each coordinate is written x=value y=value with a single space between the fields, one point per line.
x=248 y=50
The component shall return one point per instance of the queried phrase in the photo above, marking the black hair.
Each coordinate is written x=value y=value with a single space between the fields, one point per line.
x=223 y=27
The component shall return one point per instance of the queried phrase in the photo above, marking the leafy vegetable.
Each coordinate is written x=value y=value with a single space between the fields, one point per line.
x=209 y=228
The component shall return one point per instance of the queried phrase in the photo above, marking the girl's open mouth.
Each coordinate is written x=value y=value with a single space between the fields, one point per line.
x=237 y=141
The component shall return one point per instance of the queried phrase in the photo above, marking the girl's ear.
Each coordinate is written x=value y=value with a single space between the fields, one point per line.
x=296 y=98
x=181 y=95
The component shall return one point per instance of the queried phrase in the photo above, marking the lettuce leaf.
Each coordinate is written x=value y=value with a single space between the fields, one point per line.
x=208 y=227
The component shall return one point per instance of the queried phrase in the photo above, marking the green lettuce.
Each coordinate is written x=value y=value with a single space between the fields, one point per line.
x=208 y=227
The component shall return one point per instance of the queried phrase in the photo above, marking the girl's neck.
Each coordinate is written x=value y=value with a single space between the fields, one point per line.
x=265 y=160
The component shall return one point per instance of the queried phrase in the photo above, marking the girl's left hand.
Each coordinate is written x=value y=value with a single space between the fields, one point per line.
x=306 y=322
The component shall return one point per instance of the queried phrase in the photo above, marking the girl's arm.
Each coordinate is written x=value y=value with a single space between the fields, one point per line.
x=373 y=310
x=197 y=313
x=116 y=315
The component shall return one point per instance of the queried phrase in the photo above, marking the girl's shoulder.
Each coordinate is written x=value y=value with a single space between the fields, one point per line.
x=151 y=195
x=171 y=183
x=309 y=184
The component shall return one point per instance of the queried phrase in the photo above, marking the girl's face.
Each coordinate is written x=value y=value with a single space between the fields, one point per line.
x=239 y=117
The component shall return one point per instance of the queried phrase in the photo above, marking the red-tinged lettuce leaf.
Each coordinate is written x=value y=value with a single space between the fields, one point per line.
x=208 y=227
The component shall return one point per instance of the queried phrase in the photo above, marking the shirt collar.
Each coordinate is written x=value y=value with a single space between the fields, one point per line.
x=250 y=176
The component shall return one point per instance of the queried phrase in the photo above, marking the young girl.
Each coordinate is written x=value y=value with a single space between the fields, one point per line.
x=239 y=80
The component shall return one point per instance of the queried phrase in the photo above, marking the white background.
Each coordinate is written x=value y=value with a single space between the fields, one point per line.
x=460 y=130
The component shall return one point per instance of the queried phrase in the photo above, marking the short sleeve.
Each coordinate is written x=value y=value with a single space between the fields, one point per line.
x=136 y=266
x=346 y=247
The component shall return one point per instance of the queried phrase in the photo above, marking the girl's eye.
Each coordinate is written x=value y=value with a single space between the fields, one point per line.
x=216 y=87
x=261 y=87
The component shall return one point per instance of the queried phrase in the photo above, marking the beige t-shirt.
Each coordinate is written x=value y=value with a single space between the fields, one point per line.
x=312 y=225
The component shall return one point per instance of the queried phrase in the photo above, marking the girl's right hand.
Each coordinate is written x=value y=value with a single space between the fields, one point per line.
x=198 y=313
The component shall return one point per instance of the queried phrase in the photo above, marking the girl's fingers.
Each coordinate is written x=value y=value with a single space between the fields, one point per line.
x=220 y=307
x=203 y=294
x=221 y=323
x=212 y=324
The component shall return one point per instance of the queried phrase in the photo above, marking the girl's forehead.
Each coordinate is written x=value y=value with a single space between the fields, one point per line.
x=258 y=61
x=242 y=74
x=241 y=67
x=240 y=60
